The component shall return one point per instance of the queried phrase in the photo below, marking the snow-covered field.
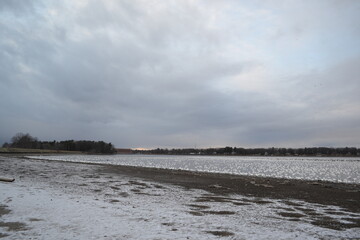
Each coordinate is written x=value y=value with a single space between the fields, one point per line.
x=57 y=200
x=309 y=168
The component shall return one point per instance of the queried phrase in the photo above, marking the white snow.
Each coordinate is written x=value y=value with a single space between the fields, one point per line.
x=308 y=168
x=105 y=206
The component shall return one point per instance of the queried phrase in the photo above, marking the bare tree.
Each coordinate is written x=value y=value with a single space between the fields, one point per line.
x=22 y=140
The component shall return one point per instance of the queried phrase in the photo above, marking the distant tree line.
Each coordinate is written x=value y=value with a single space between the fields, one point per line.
x=21 y=140
x=308 y=151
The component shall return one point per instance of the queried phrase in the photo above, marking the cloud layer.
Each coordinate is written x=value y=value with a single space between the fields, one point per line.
x=182 y=73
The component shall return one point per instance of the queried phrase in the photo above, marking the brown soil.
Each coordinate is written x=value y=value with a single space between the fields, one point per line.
x=13 y=226
x=221 y=233
x=10 y=226
x=344 y=195
x=4 y=210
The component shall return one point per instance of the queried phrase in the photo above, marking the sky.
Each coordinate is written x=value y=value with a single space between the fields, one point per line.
x=182 y=73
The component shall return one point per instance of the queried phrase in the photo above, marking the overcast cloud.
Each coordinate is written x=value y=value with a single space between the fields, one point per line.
x=144 y=73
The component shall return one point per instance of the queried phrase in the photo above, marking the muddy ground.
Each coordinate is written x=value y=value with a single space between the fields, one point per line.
x=327 y=193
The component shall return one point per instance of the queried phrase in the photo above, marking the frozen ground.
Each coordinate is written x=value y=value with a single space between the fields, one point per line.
x=334 y=169
x=57 y=200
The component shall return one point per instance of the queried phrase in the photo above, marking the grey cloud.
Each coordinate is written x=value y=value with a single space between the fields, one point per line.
x=148 y=76
x=17 y=7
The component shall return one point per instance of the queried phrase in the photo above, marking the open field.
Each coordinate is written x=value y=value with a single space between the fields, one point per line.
x=331 y=169
x=65 y=200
